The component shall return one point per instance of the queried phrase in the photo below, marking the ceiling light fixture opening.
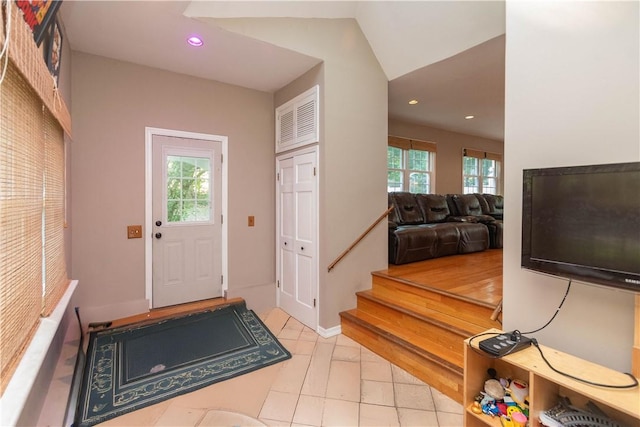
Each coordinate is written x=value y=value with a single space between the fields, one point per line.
x=195 y=41
x=469 y=117
x=413 y=102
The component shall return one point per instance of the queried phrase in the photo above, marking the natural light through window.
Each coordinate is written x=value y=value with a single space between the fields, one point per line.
x=481 y=172
x=410 y=165
x=188 y=189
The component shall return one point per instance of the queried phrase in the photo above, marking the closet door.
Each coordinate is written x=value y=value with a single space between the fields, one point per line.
x=297 y=231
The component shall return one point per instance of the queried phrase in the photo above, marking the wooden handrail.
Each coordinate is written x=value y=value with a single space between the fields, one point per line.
x=362 y=236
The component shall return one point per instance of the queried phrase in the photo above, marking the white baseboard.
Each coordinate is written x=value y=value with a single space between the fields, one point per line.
x=331 y=332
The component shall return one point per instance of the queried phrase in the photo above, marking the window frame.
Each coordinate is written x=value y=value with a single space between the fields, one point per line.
x=480 y=157
x=406 y=146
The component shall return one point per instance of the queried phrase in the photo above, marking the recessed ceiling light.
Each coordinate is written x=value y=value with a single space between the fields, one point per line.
x=469 y=117
x=195 y=41
x=413 y=102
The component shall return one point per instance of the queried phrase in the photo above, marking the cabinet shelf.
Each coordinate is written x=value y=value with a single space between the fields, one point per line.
x=545 y=385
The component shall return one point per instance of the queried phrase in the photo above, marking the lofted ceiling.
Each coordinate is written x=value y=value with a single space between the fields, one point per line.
x=449 y=55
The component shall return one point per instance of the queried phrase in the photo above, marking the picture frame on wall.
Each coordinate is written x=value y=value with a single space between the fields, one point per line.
x=53 y=49
x=39 y=15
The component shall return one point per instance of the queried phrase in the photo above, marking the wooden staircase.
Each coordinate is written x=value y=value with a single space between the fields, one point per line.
x=419 y=328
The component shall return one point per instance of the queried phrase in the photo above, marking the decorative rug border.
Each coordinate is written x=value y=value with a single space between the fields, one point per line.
x=103 y=398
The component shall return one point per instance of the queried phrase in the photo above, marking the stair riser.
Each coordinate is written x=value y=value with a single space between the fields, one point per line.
x=429 y=332
x=437 y=376
x=423 y=298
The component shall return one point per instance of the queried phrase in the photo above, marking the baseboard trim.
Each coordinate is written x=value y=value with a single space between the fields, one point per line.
x=331 y=332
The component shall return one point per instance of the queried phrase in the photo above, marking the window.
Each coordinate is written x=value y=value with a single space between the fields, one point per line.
x=188 y=195
x=410 y=165
x=481 y=172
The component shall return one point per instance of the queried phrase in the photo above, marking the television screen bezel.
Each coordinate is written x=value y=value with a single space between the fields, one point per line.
x=578 y=272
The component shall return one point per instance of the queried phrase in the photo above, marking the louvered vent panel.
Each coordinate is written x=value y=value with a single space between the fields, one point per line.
x=306 y=119
x=286 y=127
x=297 y=121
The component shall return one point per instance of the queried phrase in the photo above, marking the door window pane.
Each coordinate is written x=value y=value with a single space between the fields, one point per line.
x=188 y=189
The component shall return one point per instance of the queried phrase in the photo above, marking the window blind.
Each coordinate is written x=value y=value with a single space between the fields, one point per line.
x=469 y=152
x=55 y=271
x=21 y=185
x=411 y=144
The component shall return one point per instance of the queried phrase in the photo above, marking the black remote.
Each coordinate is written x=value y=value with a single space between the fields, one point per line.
x=507 y=342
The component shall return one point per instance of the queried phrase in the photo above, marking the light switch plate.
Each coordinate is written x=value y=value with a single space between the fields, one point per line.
x=134 y=231
x=252 y=221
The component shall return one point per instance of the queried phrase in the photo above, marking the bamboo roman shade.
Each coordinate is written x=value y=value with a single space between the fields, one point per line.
x=33 y=274
x=411 y=144
x=468 y=152
x=21 y=179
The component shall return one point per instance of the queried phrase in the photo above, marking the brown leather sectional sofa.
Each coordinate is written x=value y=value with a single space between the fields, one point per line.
x=424 y=226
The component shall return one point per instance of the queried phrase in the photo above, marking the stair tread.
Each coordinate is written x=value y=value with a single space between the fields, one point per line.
x=448 y=356
x=421 y=297
x=454 y=324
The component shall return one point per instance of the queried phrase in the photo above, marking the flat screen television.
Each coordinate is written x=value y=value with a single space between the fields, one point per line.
x=583 y=223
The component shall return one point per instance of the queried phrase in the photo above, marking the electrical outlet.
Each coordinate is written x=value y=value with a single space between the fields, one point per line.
x=252 y=221
x=134 y=231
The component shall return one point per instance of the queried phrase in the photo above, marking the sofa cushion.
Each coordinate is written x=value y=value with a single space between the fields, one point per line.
x=406 y=209
x=467 y=204
x=483 y=203
x=434 y=207
x=495 y=203
x=473 y=237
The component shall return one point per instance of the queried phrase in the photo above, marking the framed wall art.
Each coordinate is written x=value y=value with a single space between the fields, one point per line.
x=39 y=14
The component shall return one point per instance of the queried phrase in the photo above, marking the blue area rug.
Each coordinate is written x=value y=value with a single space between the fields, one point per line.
x=131 y=367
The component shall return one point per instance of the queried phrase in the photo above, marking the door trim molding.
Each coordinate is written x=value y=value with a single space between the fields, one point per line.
x=150 y=132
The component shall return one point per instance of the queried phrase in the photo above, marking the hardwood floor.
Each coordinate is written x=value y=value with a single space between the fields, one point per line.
x=476 y=276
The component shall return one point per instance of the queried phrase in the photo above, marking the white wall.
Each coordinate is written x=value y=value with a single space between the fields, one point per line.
x=353 y=157
x=572 y=98
x=113 y=102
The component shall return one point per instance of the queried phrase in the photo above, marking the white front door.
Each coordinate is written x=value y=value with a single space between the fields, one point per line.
x=297 y=231
x=186 y=220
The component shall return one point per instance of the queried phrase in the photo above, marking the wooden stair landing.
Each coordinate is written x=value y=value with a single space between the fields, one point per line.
x=421 y=327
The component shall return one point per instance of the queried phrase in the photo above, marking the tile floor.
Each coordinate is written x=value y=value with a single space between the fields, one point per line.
x=327 y=382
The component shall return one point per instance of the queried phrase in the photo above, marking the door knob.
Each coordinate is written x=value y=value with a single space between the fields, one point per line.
x=302 y=248
x=158 y=235
x=158 y=223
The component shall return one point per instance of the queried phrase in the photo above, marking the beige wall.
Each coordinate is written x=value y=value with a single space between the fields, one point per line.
x=448 y=177
x=572 y=99
x=352 y=153
x=113 y=102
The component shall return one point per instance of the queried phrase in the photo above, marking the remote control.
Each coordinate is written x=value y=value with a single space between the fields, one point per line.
x=507 y=342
